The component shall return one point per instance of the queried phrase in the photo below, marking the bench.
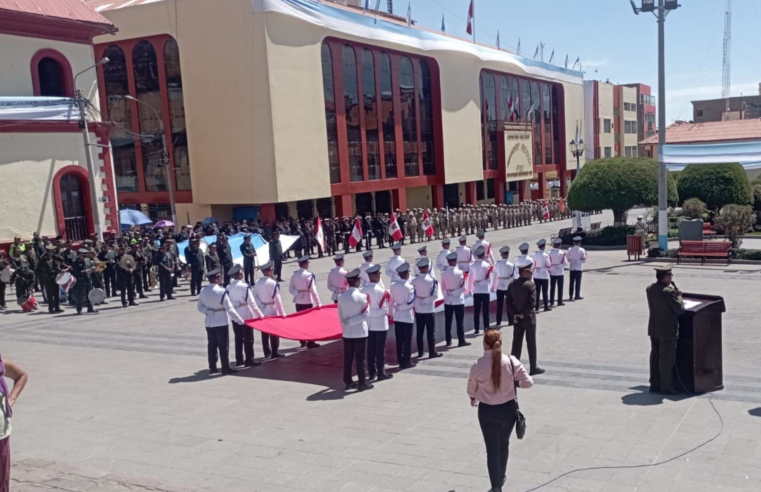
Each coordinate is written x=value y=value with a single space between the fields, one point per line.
x=595 y=226
x=708 y=230
x=705 y=249
x=563 y=232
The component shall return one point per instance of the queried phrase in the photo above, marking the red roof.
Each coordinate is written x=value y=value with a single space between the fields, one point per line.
x=69 y=10
x=713 y=131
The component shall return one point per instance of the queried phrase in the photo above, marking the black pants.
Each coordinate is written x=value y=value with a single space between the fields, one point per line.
x=459 y=314
x=662 y=360
x=556 y=280
x=218 y=339
x=502 y=307
x=127 y=288
x=354 y=352
x=53 y=293
x=379 y=236
x=541 y=291
x=481 y=309
x=270 y=344
x=575 y=281
x=137 y=281
x=528 y=329
x=244 y=344
x=376 y=353
x=2 y=293
x=426 y=324
x=368 y=241
x=403 y=343
x=226 y=269
x=109 y=281
x=497 y=423
x=147 y=279
x=248 y=272
x=165 y=285
x=278 y=269
x=196 y=281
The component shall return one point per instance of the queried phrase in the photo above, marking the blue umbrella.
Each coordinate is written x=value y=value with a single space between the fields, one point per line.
x=129 y=217
x=208 y=221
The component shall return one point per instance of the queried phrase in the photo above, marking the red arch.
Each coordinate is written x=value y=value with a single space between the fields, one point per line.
x=68 y=75
x=84 y=179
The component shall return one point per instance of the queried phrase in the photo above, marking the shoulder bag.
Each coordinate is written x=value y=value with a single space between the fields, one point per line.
x=520 y=419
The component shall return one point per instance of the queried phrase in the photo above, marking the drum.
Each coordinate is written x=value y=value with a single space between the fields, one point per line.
x=66 y=280
x=154 y=276
x=5 y=275
x=27 y=303
x=96 y=296
x=127 y=262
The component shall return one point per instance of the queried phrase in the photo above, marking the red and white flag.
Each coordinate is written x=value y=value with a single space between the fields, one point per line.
x=393 y=229
x=356 y=234
x=427 y=225
x=470 y=18
x=318 y=234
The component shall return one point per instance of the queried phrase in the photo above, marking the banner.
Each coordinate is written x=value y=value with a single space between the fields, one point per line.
x=319 y=236
x=427 y=225
x=356 y=234
x=394 y=231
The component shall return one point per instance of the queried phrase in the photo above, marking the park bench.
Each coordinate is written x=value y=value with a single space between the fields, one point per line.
x=595 y=226
x=705 y=249
x=708 y=230
x=563 y=232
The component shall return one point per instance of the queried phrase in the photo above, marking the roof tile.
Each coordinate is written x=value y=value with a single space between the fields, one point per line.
x=714 y=131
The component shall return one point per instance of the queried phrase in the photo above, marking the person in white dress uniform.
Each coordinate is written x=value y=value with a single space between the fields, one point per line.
x=353 y=313
x=303 y=288
x=402 y=305
x=481 y=279
x=441 y=259
x=394 y=262
x=214 y=302
x=541 y=273
x=558 y=262
x=363 y=278
x=240 y=295
x=378 y=325
x=524 y=256
x=464 y=255
x=504 y=273
x=577 y=256
x=423 y=252
x=426 y=293
x=337 y=279
x=489 y=255
x=267 y=294
x=453 y=288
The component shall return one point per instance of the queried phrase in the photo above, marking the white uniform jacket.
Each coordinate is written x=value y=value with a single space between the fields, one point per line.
x=520 y=259
x=353 y=311
x=558 y=260
x=441 y=260
x=577 y=256
x=464 y=258
x=303 y=288
x=504 y=274
x=402 y=301
x=337 y=282
x=267 y=293
x=489 y=254
x=481 y=276
x=214 y=302
x=453 y=286
x=393 y=263
x=379 y=305
x=426 y=293
x=541 y=265
x=243 y=300
x=431 y=270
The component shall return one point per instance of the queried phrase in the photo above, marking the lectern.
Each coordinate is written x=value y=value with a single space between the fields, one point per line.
x=698 y=353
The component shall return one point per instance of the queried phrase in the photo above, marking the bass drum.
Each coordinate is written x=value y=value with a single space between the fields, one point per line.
x=96 y=296
x=5 y=275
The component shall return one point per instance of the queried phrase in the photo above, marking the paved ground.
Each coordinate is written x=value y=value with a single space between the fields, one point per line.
x=122 y=401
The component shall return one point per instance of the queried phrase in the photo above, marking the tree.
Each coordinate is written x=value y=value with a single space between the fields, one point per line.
x=618 y=184
x=694 y=208
x=715 y=184
x=736 y=220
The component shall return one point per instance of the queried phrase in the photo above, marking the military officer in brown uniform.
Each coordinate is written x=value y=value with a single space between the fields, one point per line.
x=665 y=303
x=520 y=298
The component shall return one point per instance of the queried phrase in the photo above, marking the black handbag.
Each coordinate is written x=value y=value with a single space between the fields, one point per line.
x=520 y=419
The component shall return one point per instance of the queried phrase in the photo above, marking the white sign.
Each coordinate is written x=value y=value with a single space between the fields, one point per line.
x=519 y=159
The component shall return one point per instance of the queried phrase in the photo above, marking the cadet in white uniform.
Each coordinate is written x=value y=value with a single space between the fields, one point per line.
x=353 y=311
x=337 y=279
x=394 y=262
x=426 y=293
x=423 y=252
x=376 y=341
x=559 y=261
x=303 y=288
x=402 y=304
x=577 y=256
x=453 y=287
x=489 y=254
x=441 y=258
x=240 y=295
x=267 y=293
x=464 y=255
x=215 y=304
x=523 y=257
x=541 y=274
x=505 y=272
x=480 y=275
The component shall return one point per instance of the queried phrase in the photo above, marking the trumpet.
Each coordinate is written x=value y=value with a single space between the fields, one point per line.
x=100 y=266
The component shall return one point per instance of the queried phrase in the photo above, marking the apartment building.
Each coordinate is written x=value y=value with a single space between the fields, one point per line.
x=625 y=121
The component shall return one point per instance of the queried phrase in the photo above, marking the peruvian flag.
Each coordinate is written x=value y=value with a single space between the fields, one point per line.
x=356 y=234
x=470 y=18
x=393 y=229
x=427 y=226
x=318 y=234
x=545 y=211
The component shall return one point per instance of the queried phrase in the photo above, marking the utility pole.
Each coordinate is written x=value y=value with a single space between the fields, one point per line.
x=82 y=104
x=726 y=76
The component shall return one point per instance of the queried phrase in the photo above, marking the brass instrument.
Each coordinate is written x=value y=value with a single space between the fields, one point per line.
x=127 y=262
x=100 y=266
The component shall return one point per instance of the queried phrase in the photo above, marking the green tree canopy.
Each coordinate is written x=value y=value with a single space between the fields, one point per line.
x=618 y=184
x=715 y=184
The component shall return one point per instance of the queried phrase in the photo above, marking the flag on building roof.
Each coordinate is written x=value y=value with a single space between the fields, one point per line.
x=566 y=60
x=518 y=51
x=409 y=14
x=536 y=53
x=469 y=29
x=443 y=25
x=552 y=56
x=577 y=62
x=497 y=39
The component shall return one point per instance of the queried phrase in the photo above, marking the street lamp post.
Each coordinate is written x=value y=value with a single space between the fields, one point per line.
x=164 y=156
x=577 y=150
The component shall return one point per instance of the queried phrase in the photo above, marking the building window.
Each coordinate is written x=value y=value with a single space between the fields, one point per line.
x=353 y=127
x=177 y=114
x=51 y=76
x=387 y=116
x=699 y=113
x=426 y=118
x=489 y=123
x=120 y=113
x=409 y=117
x=536 y=103
x=606 y=125
x=490 y=188
x=608 y=151
x=525 y=100
x=148 y=92
x=329 y=95
x=509 y=99
x=480 y=195
x=547 y=112
x=371 y=115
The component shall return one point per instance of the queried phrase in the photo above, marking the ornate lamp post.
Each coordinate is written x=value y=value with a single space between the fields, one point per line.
x=577 y=150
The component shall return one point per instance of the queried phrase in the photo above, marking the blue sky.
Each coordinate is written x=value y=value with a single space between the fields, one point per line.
x=620 y=46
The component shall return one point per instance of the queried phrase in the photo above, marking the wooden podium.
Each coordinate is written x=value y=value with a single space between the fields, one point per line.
x=699 y=350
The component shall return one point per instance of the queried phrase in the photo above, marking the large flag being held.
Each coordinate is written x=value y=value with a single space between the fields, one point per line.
x=394 y=231
x=356 y=234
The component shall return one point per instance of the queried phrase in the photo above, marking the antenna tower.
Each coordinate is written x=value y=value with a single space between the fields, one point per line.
x=726 y=76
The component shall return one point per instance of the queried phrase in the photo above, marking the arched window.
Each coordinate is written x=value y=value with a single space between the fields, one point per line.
x=509 y=99
x=51 y=78
x=409 y=117
x=329 y=95
x=489 y=109
x=556 y=125
x=387 y=116
x=148 y=92
x=536 y=101
x=547 y=112
x=351 y=101
x=177 y=113
x=120 y=112
x=426 y=117
x=371 y=115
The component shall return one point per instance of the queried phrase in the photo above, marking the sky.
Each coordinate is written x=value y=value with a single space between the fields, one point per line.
x=616 y=45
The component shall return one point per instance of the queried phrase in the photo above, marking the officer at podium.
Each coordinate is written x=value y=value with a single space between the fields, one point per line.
x=665 y=303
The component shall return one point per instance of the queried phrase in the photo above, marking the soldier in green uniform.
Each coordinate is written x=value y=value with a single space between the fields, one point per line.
x=53 y=267
x=665 y=303
x=81 y=270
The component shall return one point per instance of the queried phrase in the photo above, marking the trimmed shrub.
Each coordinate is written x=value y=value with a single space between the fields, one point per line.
x=736 y=220
x=694 y=208
x=715 y=184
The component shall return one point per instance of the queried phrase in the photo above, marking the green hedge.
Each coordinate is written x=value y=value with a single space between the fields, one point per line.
x=715 y=184
x=737 y=254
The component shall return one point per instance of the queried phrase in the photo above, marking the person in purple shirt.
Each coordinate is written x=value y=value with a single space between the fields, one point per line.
x=8 y=397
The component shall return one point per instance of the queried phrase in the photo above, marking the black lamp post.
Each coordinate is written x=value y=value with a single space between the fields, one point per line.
x=577 y=150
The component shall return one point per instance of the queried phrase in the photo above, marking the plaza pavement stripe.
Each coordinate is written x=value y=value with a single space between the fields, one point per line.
x=85 y=343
